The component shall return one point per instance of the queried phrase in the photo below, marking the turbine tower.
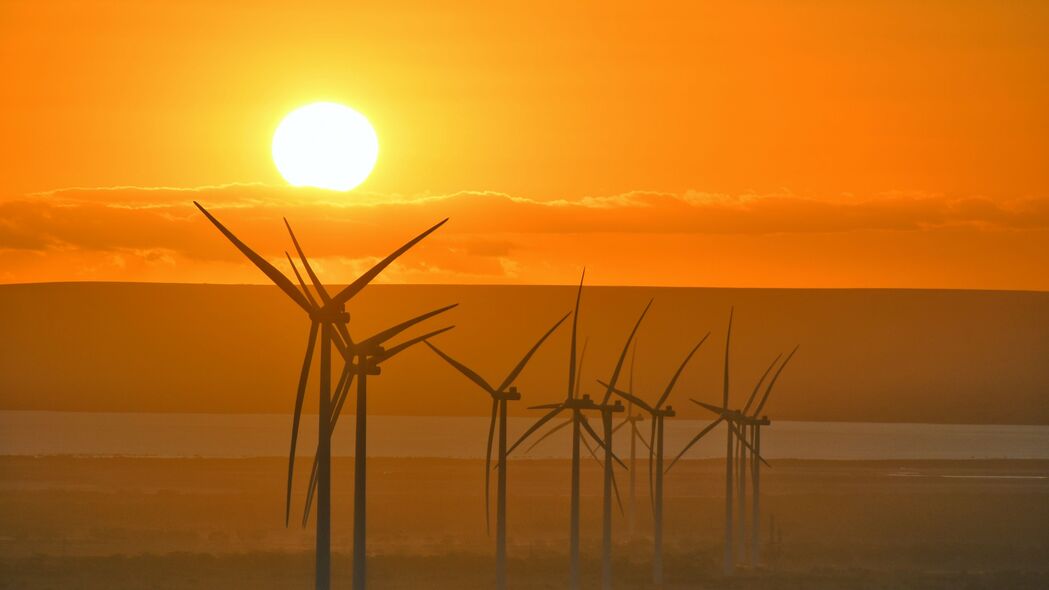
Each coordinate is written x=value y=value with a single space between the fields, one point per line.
x=607 y=410
x=576 y=406
x=500 y=395
x=732 y=418
x=329 y=318
x=658 y=414
x=754 y=423
x=632 y=418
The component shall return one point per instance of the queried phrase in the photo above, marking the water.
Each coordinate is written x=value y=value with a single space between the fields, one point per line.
x=266 y=435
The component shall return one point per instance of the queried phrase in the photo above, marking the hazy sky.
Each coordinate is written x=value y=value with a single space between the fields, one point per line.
x=743 y=143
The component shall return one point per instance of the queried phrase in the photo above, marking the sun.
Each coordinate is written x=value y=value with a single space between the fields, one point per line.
x=325 y=145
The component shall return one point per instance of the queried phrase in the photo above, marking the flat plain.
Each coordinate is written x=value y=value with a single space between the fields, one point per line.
x=69 y=522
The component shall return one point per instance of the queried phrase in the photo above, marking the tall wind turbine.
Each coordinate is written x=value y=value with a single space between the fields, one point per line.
x=607 y=410
x=576 y=405
x=658 y=413
x=732 y=418
x=500 y=396
x=754 y=421
x=330 y=317
x=632 y=418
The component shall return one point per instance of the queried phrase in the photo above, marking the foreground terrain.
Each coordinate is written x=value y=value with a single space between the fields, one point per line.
x=211 y=523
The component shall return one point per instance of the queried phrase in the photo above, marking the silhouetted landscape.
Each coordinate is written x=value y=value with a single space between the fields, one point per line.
x=113 y=522
x=968 y=357
x=716 y=294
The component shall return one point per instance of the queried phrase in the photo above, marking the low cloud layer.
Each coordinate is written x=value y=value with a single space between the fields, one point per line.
x=156 y=232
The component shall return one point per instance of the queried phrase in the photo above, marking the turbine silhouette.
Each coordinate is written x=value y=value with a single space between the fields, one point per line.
x=360 y=359
x=658 y=414
x=500 y=395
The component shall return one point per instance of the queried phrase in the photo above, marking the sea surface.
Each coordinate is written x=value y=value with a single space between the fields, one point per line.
x=266 y=435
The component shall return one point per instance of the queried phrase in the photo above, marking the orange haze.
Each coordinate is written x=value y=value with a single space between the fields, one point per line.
x=742 y=143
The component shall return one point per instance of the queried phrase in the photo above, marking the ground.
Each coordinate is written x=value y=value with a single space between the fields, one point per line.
x=210 y=523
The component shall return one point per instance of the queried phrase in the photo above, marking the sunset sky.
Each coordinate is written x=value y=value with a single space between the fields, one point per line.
x=742 y=143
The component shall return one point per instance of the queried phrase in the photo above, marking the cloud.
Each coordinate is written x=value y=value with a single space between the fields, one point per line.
x=121 y=231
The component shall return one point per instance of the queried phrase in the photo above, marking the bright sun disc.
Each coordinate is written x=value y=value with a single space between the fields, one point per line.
x=325 y=145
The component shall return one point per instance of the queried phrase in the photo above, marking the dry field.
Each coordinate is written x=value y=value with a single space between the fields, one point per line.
x=205 y=523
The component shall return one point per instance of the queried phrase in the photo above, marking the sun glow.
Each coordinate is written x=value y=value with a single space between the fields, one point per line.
x=325 y=145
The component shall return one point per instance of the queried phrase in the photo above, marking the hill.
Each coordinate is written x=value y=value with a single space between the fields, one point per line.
x=866 y=355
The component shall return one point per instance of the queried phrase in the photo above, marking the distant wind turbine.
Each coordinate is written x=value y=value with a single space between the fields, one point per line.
x=753 y=422
x=576 y=405
x=607 y=410
x=732 y=418
x=658 y=413
x=500 y=395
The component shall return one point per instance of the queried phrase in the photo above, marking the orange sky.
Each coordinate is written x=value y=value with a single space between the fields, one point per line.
x=817 y=144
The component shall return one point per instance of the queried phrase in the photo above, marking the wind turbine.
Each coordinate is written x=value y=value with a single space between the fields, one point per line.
x=658 y=414
x=732 y=418
x=576 y=405
x=330 y=318
x=742 y=423
x=754 y=422
x=500 y=396
x=632 y=418
x=607 y=410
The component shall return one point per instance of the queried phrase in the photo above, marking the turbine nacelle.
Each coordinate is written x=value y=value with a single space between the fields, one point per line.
x=510 y=394
x=325 y=315
x=580 y=403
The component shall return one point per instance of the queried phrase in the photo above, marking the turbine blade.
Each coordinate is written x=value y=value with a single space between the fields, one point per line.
x=341 y=394
x=622 y=355
x=633 y=363
x=743 y=440
x=575 y=327
x=620 y=425
x=388 y=333
x=268 y=269
x=389 y=353
x=300 y=395
x=643 y=441
x=772 y=383
x=757 y=386
x=711 y=407
x=342 y=391
x=355 y=287
x=298 y=277
x=310 y=491
x=728 y=340
x=488 y=469
x=548 y=434
x=630 y=398
x=545 y=406
x=524 y=361
x=591 y=450
x=681 y=367
x=306 y=264
x=538 y=424
x=694 y=440
x=600 y=442
x=579 y=374
x=467 y=371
